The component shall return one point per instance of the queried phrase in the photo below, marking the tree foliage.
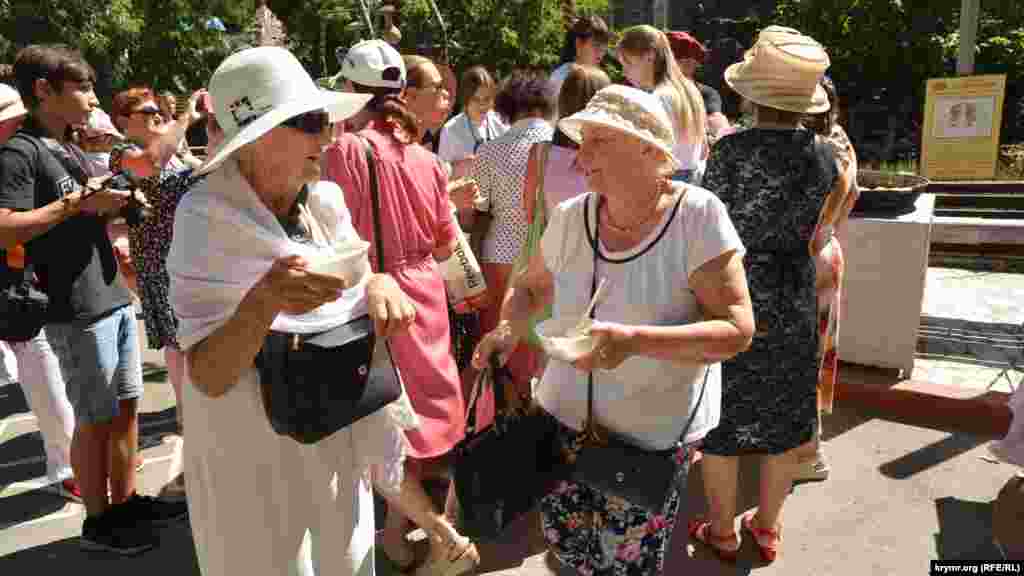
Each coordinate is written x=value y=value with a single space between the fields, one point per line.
x=886 y=50
x=501 y=34
x=163 y=43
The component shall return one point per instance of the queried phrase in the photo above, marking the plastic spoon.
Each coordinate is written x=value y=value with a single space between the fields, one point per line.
x=598 y=295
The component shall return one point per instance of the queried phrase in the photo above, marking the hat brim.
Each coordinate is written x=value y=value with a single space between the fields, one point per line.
x=747 y=87
x=572 y=126
x=15 y=110
x=339 y=105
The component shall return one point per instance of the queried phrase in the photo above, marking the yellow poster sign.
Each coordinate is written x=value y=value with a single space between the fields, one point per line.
x=960 y=137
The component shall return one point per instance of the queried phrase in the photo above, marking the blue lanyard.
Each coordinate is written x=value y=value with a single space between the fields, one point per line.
x=472 y=132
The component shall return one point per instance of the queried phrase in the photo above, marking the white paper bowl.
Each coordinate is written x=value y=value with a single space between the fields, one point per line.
x=554 y=338
x=348 y=261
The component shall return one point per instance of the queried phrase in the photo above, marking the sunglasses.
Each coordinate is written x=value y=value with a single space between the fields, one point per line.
x=147 y=111
x=315 y=122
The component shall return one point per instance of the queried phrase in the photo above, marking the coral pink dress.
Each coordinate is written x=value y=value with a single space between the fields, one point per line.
x=415 y=218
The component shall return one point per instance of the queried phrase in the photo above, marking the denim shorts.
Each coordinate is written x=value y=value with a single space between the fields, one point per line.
x=101 y=362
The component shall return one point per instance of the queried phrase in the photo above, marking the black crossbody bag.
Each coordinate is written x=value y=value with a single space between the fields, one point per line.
x=613 y=465
x=309 y=391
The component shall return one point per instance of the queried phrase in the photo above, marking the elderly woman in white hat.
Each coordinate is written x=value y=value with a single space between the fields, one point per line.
x=676 y=305
x=239 y=267
x=775 y=179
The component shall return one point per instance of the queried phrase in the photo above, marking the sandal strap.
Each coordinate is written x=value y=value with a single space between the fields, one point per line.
x=758 y=532
x=703 y=526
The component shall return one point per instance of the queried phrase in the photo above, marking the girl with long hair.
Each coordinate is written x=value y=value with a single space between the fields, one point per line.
x=649 y=64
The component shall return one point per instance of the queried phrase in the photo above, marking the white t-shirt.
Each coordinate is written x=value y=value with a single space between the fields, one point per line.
x=689 y=153
x=645 y=400
x=460 y=139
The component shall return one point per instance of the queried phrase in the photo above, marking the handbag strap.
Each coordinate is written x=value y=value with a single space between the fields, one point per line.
x=539 y=203
x=590 y=423
x=371 y=168
x=494 y=368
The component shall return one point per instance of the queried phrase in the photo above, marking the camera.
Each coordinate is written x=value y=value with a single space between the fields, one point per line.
x=135 y=211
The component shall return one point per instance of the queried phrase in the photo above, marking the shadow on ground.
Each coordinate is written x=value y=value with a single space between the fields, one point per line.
x=931 y=455
x=174 y=556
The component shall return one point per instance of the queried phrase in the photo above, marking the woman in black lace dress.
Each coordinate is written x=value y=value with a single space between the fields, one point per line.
x=774 y=179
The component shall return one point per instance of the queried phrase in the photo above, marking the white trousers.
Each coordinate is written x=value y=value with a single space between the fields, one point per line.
x=262 y=504
x=41 y=381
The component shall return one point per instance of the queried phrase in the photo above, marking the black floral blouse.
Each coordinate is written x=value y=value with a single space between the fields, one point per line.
x=150 y=242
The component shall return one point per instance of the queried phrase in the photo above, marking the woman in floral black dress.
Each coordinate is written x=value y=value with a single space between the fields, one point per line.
x=774 y=178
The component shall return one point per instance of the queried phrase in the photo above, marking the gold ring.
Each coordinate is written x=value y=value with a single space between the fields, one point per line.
x=603 y=353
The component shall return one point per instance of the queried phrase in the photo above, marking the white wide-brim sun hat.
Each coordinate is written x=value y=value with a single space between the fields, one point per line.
x=255 y=90
x=783 y=70
x=631 y=111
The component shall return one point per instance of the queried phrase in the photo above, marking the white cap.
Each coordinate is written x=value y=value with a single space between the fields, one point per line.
x=10 y=103
x=373 y=63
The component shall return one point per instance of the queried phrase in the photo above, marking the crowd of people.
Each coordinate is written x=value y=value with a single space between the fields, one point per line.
x=716 y=336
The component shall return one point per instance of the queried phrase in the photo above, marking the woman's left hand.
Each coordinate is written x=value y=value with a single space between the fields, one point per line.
x=612 y=346
x=389 y=307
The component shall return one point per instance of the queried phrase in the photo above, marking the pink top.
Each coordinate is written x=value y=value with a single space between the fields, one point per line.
x=562 y=180
x=415 y=219
x=415 y=215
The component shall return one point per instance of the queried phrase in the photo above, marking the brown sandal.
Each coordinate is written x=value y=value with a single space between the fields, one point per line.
x=700 y=530
x=462 y=558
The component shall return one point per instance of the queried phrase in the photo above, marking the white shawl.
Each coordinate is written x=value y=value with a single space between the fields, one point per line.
x=225 y=239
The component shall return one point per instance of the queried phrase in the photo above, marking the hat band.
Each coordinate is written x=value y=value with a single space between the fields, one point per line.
x=632 y=113
x=244 y=112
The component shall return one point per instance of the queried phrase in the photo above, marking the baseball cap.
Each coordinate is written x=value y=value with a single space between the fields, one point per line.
x=10 y=103
x=373 y=63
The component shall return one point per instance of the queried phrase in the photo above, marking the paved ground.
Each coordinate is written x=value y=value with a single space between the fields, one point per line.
x=899 y=495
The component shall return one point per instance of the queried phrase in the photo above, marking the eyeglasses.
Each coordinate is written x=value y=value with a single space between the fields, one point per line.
x=315 y=122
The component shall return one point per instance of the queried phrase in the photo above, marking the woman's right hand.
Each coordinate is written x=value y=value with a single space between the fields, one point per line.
x=291 y=288
x=500 y=341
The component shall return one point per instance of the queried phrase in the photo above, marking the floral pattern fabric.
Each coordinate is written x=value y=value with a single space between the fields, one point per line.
x=774 y=183
x=150 y=242
x=599 y=534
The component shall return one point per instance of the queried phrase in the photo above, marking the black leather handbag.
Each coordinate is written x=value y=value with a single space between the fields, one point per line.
x=615 y=466
x=311 y=391
x=23 y=308
x=502 y=471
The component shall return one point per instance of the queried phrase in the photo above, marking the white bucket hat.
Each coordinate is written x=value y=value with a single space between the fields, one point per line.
x=373 y=63
x=255 y=90
x=628 y=110
x=10 y=103
x=782 y=70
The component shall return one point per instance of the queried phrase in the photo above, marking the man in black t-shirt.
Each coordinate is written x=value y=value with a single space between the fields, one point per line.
x=49 y=206
x=689 y=55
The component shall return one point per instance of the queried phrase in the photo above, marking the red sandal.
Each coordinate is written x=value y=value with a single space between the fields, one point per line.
x=700 y=530
x=768 y=551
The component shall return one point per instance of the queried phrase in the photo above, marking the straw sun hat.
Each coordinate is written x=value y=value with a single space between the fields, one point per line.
x=255 y=90
x=628 y=110
x=782 y=70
